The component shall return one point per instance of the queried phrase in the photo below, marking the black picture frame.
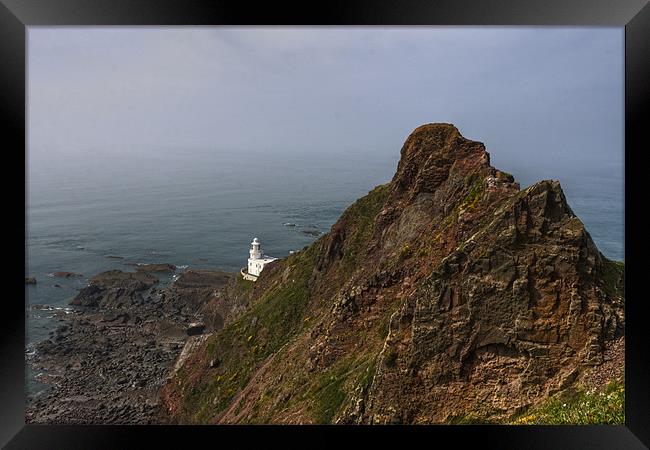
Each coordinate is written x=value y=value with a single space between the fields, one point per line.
x=634 y=15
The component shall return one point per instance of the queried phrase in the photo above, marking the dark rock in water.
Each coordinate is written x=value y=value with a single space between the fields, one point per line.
x=159 y=267
x=40 y=307
x=88 y=296
x=30 y=280
x=311 y=232
x=114 y=257
x=57 y=285
x=118 y=278
x=45 y=347
x=64 y=274
x=195 y=328
x=114 y=288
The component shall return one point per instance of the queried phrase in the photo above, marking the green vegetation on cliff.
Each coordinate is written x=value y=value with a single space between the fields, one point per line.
x=331 y=389
x=360 y=218
x=328 y=394
x=277 y=313
x=247 y=341
x=613 y=273
x=244 y=286
x=579 y=407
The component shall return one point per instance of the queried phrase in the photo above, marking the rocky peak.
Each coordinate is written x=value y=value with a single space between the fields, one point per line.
x=441 y=178
x=431 y=153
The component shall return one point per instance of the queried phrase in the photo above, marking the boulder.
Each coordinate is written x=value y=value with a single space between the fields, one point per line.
x=158 y=267
x=195 y=328
x=114 y=288
x=64 y=274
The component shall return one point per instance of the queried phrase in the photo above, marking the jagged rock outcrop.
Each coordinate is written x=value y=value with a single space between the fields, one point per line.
x=114 y=288
x=509 y=317
x=446 y=293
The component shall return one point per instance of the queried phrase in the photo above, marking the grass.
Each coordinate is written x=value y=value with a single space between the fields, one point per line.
x=474 y=194
x=469 y=419
x=329 y=397
x=360 y=217
x=244 y=286
x=572 y=407
x=580 y=408
x=368 y=374
x=507 y=176
x=241 y=346
x=406 y=252
x=328 y=391
x=612 y=273
x=384 y=327
x=281 y=311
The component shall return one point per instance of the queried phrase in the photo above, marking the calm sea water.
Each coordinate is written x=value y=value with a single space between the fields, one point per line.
x=201 y=209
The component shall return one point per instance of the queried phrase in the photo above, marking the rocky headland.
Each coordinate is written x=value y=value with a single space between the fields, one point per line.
x=448 y=295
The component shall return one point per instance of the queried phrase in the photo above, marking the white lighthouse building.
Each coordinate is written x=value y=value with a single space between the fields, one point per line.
x=256 y=261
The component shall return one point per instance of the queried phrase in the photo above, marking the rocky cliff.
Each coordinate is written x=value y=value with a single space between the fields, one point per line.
x=445 y=294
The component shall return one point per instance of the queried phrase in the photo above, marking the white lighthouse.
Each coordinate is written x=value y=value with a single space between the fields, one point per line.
x=256 y=261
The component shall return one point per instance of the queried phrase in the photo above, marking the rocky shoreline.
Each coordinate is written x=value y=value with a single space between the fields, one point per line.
x=108 y=360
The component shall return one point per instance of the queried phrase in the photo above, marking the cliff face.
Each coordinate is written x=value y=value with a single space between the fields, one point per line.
x=445 y=293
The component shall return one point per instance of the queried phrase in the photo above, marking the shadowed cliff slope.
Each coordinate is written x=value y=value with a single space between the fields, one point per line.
x=446 y=293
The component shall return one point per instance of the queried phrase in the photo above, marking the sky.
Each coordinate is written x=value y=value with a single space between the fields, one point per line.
x=549 y=98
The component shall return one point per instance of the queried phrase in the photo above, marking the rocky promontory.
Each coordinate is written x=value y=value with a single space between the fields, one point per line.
x=107 y=361
x=448 y=295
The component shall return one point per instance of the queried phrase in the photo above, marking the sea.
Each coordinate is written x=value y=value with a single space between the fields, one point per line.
x=201 y=209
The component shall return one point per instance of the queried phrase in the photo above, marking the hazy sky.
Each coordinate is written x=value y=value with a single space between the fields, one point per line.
x=548 y=97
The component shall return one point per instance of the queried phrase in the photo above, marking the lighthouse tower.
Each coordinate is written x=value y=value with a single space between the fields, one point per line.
x=256 y=260
x=255 y=251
